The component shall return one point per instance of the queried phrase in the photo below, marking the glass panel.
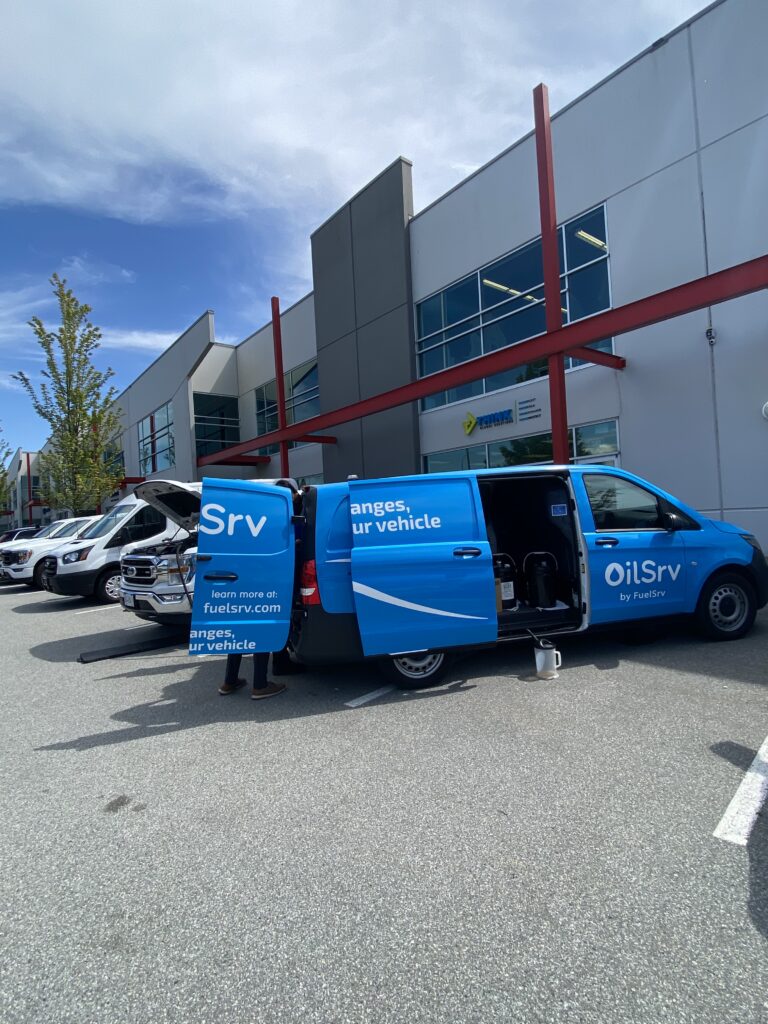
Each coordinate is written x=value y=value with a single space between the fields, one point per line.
x=585 y=238
x=477 y=456
x=461 y=349
x=618 y=504
x=512 y=329
x=588 y=290
x=524 y=301
x=165 y=459
x=517 y=375
x=429 y=315
x=224 y=406
x=304 y=377
x=144 y=428
x=162 y=417
x=521 y=451
x=461 y=301
x=512 y=275
x=447 y=462
x=303 y=410
x=464 y=391
x=596 y=439
x=108 y=522
x=433 y=401
x=432 y=361
x=468 y=325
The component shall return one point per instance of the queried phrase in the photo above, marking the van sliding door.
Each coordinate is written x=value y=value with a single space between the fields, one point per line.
x=422 y=572
x=244 y=576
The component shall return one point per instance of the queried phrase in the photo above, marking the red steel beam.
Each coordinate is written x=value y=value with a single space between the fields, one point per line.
x=685 y=298
x=318 y=438
x=594 y=355
x=551 y=262
x=277 y=340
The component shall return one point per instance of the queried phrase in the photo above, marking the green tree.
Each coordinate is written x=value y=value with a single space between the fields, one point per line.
x=5 y=454
x=76 y=400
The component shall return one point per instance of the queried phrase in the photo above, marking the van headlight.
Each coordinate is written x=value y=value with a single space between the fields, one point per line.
x=76 y=556
x=752 y=541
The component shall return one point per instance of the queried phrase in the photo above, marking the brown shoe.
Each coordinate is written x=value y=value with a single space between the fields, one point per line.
x=270 y=690
x=227 y=688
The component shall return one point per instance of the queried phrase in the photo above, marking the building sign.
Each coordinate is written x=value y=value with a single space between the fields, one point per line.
x=522 y=410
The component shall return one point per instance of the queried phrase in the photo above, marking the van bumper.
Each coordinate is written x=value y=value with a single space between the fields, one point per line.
x=759 y=568
x=71 y=584
x=319 y=638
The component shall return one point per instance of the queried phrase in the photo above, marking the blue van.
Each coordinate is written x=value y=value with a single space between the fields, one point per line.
x=409 y=569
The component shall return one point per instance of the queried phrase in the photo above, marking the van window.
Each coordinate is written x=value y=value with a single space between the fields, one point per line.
x=146 y=523
x=618 y=504
x=72 y=528
x=107 y=524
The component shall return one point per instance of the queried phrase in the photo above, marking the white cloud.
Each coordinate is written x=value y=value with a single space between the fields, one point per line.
x=187 y=108
x=83 y=270
x=136 y=341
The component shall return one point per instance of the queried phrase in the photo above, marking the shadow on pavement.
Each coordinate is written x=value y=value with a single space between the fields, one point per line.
x=757 y=846
x=52 y=604
x=194 y=702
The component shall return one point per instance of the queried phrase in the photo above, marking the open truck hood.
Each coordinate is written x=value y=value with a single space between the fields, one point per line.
x=179 y=501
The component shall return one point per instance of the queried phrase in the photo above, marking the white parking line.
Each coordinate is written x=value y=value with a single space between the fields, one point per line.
x=737 y=822
x=368 y=696
x=104 y=608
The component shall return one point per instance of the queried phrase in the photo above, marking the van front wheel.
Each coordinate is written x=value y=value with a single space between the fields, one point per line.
x=108 y=586
x=416 y=671
x=727 y=607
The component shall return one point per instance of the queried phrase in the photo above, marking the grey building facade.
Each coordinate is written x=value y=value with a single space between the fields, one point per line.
x=660 y=173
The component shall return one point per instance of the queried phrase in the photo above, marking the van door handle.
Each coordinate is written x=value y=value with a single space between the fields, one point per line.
x=466 y=552
x=606 y=542
x=220 y=577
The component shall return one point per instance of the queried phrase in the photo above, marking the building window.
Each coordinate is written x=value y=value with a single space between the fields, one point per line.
x=503 y=303
x=156 y=442
x=591 y=442
x=217 y=422
x=302 y=400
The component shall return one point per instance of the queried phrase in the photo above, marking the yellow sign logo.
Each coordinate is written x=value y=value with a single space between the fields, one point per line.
x=470 y=423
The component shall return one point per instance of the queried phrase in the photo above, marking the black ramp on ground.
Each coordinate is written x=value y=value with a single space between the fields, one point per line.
x=137 y=647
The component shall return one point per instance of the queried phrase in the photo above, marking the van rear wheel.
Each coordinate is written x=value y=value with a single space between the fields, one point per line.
x=727 y=607
x=416 y=671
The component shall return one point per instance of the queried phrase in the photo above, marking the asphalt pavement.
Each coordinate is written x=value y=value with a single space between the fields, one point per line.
x=499 y=848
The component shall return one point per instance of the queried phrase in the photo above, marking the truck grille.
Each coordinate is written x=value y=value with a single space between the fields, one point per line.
x=138 y=572
x=9 y=557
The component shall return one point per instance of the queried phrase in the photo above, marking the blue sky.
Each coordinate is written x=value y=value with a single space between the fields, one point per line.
x=171 y=158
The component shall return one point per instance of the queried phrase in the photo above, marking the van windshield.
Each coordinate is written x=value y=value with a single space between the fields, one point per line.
x=51 y=530
x=106 y=525
x=70 y=529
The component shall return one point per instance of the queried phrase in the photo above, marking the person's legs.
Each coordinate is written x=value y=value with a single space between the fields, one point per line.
x=231 y=682
x=261 y=686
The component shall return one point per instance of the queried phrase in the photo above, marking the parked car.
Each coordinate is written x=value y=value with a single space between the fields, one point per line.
x=22 y=560
x=18 y=533
x=408 y=569
x=91 y=565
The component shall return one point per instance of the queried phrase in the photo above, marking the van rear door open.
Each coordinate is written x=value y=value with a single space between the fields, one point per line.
x=422 y=572
x=244 y=578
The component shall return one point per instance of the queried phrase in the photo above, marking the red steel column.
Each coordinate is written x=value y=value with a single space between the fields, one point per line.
x=29 y=494
x=277 y=338
x=551 y=260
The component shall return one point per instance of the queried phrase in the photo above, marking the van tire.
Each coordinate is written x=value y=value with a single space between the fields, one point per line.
x=416 y=671
x=107 y=589
x=727 y=607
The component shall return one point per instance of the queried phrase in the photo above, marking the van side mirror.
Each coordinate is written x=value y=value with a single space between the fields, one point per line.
x=671 y=521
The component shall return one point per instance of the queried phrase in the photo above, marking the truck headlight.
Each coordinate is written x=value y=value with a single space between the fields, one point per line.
x=23 y=556
x=76 y=556
x=175 y=570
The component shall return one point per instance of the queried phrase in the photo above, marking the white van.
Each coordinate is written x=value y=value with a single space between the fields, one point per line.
x=91 y=565
x=21 y=561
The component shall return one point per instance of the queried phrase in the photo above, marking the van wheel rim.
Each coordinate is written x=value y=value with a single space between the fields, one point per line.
x=419 y=666
x=112 y=588
x=728 y=607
